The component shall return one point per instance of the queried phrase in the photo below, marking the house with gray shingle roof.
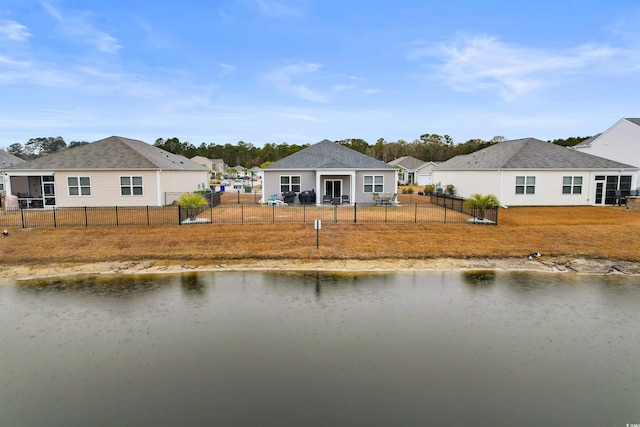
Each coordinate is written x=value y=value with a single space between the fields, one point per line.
x=332 y=171
x=114 y=171
x=413 y=170
x=621 y=142
x=531 y=172
x=7 y=160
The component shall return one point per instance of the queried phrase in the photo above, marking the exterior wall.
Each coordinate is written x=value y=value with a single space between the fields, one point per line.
x=271 y=181
x=467 y=183
x=105 y=187
x=621 y=143
x=178 y=182
x=390 y=184
x=424 y=175
x=502 y=184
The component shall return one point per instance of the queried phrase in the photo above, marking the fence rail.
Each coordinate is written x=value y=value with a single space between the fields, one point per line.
x=443 y=211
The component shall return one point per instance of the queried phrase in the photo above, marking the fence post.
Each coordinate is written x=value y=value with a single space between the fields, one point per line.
x=179 y=214
x=148 y=222
x=415 y=213
x=86 y=218
x=273 y=213
x=211 y=214
x=117 y=222
x=355 y=213
x=241 y=211
x=445 y=212
x=335 y=213
x=55 y=223
x=22 y=215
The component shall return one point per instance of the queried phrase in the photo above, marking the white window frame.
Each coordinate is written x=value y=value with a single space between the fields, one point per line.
x=373 y=184
x=572 y=185
x=526 y=185
x=82 y=190
x=131 y=186
x=290 y=184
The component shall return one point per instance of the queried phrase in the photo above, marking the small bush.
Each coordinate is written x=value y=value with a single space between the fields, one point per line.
x=191 y=201
x=428 y=189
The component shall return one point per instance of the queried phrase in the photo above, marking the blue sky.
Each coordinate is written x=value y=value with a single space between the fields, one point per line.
x=299 y=71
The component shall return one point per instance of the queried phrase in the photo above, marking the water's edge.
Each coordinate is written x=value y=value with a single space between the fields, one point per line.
x=10 y=274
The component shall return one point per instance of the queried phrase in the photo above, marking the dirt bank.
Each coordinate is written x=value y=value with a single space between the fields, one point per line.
x=543 y=264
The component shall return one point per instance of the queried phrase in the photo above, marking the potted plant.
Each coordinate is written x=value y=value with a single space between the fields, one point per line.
x=192 y=203
x=481 y=203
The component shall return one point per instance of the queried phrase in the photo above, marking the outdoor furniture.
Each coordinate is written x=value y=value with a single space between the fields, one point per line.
x=326 y=199
x=385 y=199
x=335 y=201
x=376 y=198
x=345 y=198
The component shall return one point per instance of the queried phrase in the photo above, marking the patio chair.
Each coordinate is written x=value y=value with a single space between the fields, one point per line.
x=376 y=199
x=326 y=199
x=345 y=199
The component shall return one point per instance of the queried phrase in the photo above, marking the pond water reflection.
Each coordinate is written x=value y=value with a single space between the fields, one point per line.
x=423 y=348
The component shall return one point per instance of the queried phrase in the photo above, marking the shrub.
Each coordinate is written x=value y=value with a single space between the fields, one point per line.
x=450 y=189
x=481 y=203
x=428 y=189
x=191 y=201
x=410 y=190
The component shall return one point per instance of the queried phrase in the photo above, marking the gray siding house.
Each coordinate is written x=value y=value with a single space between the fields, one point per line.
x=7 y=160
x=114 y=171
x=334 y=172
x=531 y=172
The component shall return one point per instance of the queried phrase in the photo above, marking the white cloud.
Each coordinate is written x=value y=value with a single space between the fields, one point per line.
x=226 y=69
x=275 y=9
x=76 y=26
x=485 y=63
x=14 y=31
x=283 y=79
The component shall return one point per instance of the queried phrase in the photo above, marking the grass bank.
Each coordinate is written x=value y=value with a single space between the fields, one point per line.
x=587 y=232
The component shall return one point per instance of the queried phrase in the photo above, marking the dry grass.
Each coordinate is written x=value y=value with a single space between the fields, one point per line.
x=590 y=232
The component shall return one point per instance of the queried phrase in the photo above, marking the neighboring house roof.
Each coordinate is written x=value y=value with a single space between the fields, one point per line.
x=587 y=141
x=634 y=121
x=328 y=155
x=7 y=160
x=114 y=152
x=529 y=153
x=408 y=162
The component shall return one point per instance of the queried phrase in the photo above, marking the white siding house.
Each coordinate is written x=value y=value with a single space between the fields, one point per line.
x=331 y=171
x=530 y=172
x=621 y=142
x=114 y=171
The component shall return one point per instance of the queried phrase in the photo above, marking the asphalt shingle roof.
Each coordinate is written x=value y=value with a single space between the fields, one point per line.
x=328 y=155
x=634 y=121
x=114 y=152
x=529 y=153
x=7 y=160
x=408 y=162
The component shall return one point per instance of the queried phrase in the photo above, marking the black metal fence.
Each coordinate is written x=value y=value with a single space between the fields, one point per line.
x=476 y=214
x=443 y=210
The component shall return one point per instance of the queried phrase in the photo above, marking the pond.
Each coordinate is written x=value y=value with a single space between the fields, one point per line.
x=241 y=349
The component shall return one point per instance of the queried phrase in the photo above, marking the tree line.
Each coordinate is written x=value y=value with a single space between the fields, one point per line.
x=428 y=147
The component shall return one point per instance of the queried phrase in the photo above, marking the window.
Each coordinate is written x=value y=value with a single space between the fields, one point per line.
x=572 y=185
x=131 y=185
x=290 y=183
x=525 y=184
x=1 y=183
x=373 y=183
x=79 y=185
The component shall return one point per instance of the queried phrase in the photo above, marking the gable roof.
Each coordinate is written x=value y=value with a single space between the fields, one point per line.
x=328 y=155
x=587 y=141
x=114 y=152
x=7 y=160
x=529 y=153
x=408 y=162
x=634 y=121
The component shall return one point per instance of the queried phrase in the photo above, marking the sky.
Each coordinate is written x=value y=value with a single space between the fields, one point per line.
x=299 y=71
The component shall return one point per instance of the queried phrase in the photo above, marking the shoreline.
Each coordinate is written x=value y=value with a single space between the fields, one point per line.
x=15 y=273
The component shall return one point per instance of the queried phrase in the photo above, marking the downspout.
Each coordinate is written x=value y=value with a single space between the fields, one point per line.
x=158 y=186
x=353 y=188
x=318 y=189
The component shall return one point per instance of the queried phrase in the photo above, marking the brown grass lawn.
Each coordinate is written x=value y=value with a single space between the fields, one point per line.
x=588 y=232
